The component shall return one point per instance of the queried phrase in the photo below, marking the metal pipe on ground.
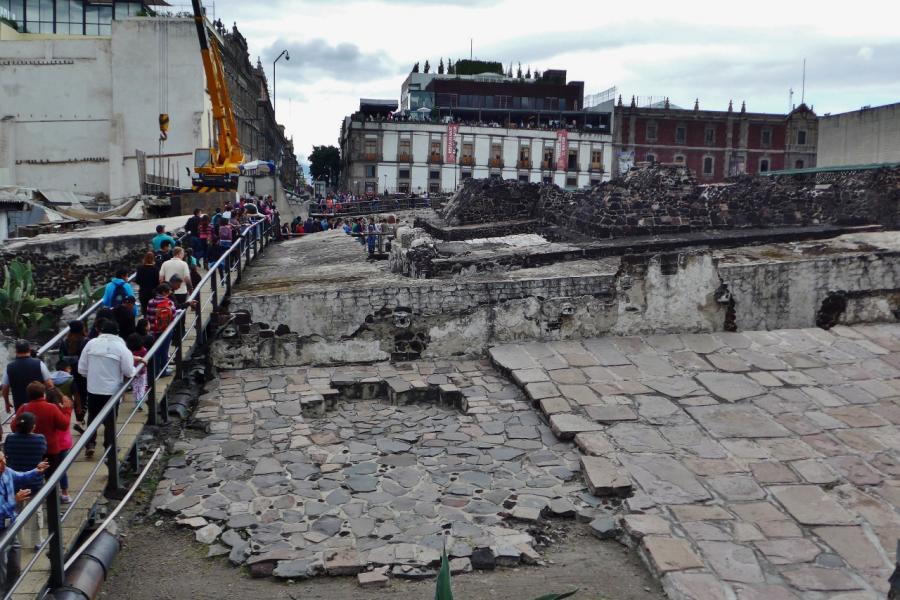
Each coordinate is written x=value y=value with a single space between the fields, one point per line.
x=86 y=576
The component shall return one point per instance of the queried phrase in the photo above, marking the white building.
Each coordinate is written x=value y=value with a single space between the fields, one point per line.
x=74 y=109
x=410 y=157
x=867 y=135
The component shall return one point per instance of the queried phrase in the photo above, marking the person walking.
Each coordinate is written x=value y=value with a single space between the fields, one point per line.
x=204 y=238
x=69 y=352
x=63 y=440
x=10 y=479
x=177 y=266
x=161 y=236
x=21 y=371
x=106 y=362
x=147 y=278
x=160 y=314
x=124 y=315
x=25 y=450
x=163 y=254
x=117 y=289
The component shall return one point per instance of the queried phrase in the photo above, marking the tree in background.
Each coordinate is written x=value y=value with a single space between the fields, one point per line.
x=415 y=68
x=325 y=163
x=519 y=72
x=441 y=67
x=451 y=70
x=427 y=66
x=528 y=73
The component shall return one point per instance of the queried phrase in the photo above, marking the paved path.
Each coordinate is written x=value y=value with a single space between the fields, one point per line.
x=761 y=463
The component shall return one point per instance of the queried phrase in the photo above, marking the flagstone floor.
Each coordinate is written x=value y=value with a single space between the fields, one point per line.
x=752 y=465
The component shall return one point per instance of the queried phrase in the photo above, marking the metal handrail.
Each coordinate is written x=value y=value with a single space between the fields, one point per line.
x=260 y=231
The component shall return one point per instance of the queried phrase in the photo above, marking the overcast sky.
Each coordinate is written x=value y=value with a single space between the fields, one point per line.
x=343 y=50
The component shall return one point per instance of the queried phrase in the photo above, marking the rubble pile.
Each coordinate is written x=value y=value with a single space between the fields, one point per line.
x=665 y=198
x=485 y=200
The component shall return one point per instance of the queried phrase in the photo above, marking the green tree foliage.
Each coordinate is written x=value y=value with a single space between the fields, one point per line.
x=519 y=71
x=415 y=68
x=325 y=163
x=427 y=67
x=441 y=67
x=451 y=68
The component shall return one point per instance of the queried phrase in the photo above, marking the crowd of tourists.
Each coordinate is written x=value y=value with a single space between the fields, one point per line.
x=95 y=359
x=374 y=234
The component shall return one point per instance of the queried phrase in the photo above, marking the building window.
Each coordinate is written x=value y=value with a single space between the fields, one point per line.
x=495 y=176
x=468 y=150
x=573 y=160
x=434 y=187
x=371 y=147
x=523 y=178
x=571 y=182
x=596 y=159
x=799 y=164
x=801 y=137
x=679 y=159
x=403 y=150
x=370 y=170
x=524 y=153
x=765 y=138
x=595 y=182
x=651 y=132
x=466 y=175
x=434 y=174
x=496 y=151
x=709 y=136
x=650 y=157
x=403 y=187
x=435 y=150
x=764 y=165
x=548 y=179
x=708 y=165
x=403 y=174
x=681 y=134
x=548 y=158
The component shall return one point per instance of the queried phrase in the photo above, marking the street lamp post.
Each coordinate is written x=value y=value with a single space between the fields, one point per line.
x=286 y=56
x=384 y=191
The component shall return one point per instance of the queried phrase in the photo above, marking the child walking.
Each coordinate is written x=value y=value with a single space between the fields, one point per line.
x=139 y=386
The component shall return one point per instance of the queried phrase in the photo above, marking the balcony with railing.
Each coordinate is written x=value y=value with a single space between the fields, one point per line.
x=524 y=164
x=548 y=165
x=404 y=157
x=597 y=167
x=467 y=161
x=370 y=156
x=435 y=158
x=496 y=163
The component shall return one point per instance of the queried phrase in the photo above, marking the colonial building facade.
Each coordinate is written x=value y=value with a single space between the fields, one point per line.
x=451 y=128
x=715 y=144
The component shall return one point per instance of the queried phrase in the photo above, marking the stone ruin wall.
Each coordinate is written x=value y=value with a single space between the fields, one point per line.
x=61 y=266
x=659 y=199
x=665 y=293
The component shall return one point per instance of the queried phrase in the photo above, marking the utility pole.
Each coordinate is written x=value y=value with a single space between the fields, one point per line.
x=803 y=89
x=471 y=47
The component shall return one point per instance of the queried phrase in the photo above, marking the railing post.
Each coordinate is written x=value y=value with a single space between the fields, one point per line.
x=199 y=340
x=238 y=254
x=55 y=550
x=112 y=457
x=228 y=276
x=152 y=412
x=215 y=291
x=179 y=349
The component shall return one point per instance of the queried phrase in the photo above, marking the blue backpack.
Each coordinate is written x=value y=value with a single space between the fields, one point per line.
x=119 y=295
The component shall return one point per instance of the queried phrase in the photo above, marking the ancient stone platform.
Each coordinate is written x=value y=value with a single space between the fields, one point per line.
x=339 y=471
x=761 y=464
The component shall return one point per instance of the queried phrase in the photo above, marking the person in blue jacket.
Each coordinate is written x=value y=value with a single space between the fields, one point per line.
x=118 y=289
x=11 y=480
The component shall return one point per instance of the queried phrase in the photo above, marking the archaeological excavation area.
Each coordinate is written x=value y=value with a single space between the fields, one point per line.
x=706 y=375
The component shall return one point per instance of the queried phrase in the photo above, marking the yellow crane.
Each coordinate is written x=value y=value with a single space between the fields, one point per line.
x=216 y=169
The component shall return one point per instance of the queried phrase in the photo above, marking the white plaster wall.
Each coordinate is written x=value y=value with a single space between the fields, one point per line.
x=420 y=146
x=387 y=177
x=389 y=145
x=510 y=152
x=859 y=137
x=419 y=178
x=101 y=101
x=482 y=150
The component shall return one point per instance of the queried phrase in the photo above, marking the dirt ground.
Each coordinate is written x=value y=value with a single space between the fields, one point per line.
x=163 y=562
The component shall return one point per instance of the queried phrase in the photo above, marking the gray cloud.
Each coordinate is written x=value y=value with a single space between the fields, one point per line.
x=315 y=59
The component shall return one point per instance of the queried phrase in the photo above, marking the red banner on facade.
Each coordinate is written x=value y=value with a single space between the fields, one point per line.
x=452 y=135
x=562 y=150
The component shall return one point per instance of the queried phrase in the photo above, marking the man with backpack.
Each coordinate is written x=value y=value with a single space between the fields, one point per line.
x=118 y=289
x=161 y=313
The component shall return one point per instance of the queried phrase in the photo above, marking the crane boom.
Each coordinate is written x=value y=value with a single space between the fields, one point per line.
x=216 y=168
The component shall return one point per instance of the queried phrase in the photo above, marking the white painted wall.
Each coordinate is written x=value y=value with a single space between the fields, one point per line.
x=85 y=105
x=859 y=137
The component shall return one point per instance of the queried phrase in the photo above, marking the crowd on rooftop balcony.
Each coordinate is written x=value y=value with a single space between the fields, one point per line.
x=527 y=124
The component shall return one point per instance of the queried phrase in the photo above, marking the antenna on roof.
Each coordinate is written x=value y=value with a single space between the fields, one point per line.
x=803 y=89
x=471 y=47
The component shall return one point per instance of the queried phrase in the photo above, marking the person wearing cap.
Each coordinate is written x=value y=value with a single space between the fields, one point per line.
x=160 y=236
x=19 y=373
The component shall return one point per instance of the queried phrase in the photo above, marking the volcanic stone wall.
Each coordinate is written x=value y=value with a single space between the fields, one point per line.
x=657 y=199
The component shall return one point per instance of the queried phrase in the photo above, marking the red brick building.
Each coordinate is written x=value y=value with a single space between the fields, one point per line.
x=714 y=144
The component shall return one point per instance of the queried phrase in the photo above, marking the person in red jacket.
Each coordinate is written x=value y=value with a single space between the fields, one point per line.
x=50 y=419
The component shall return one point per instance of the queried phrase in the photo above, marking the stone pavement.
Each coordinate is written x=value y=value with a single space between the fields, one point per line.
x=760 y=464
x=371 y=470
